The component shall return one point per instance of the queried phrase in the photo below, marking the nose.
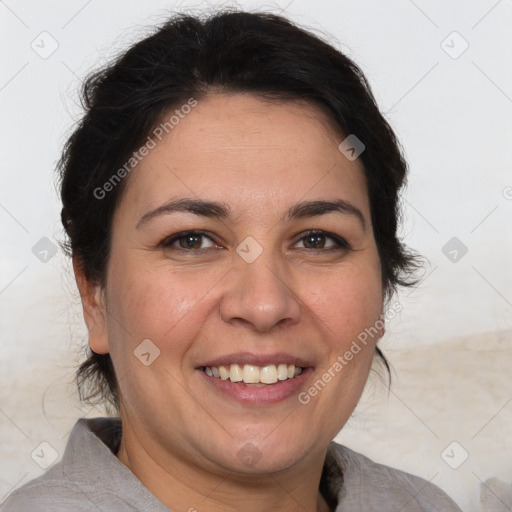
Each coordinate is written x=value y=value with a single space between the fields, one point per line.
x=260 y=294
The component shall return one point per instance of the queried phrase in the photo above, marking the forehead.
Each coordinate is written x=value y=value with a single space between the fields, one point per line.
x=242 y=149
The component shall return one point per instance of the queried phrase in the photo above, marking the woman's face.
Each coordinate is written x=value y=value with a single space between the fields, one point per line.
x=250 y=287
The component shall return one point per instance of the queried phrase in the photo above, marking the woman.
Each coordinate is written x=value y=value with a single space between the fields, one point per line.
x=230 y=198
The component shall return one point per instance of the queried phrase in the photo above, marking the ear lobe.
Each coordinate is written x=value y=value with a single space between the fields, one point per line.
x=93 y=305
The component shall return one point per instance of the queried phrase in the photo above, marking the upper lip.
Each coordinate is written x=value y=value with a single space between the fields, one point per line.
x=242 y=358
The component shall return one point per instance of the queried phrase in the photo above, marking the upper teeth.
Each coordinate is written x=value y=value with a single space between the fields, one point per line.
x=251 y=374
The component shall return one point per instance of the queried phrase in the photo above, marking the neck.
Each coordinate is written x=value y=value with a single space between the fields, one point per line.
x=182 y=485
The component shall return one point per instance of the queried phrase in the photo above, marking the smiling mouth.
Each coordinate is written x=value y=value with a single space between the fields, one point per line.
x=252 y=374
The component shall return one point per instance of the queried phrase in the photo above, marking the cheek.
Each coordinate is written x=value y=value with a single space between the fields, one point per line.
x=165 y=307
x=156 y=303
x=346 y=303
x=348 y=310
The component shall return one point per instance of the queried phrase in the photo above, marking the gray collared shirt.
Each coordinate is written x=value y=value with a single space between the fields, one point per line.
x=90 y=478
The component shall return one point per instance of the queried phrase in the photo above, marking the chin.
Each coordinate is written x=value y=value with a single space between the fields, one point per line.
x=262 y=458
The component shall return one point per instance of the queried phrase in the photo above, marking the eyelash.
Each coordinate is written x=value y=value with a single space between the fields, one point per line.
x=340 y=243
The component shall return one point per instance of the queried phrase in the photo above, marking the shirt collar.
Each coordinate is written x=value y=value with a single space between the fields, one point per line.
x=111 y=473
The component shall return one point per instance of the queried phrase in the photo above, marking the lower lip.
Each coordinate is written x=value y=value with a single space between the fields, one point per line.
x=264 y=395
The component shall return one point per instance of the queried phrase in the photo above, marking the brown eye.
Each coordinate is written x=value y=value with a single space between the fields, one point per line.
x=190 y=241
x=318 y=240
x=314 y=241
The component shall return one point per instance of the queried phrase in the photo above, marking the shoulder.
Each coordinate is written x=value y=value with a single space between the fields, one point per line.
x=51 y=492
x=373 y=486
x=78 y=481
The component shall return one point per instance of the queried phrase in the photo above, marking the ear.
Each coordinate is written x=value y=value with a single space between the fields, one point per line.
x=381 y=324
x=93 y=304
x=382 y=331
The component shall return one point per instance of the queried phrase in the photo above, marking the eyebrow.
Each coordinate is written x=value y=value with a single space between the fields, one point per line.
x=217 y=210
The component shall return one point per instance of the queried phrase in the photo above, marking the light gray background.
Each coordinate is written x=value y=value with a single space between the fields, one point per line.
x=451 y=343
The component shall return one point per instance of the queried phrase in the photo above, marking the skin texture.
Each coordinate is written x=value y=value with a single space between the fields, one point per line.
x=181 y=438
